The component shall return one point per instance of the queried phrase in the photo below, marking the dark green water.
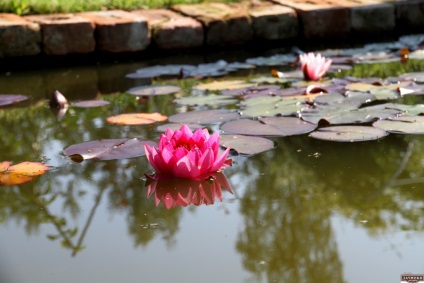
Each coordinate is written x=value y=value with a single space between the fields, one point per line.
x=306 y=211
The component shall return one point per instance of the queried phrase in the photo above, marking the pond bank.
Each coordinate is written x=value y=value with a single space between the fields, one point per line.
x=194 y=28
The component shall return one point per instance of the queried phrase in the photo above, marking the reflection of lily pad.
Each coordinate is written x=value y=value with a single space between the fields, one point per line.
x=211 y=100
x=402 y=125
x=272 y=126
x=8 y=99
x=154 y=90
x=246 y=144
x=348 y=133
x=204 y=117
x=107 y=149
x=91 y=103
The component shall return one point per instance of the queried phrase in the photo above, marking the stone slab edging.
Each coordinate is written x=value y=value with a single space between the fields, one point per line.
x=206 y=25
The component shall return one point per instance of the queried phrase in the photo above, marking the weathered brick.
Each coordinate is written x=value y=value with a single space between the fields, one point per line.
x=371 y=19
x=321 y=19
x=170 y=30
x=65 y=33
x=273 y=22
x=224 y=24
x=18 y=37
x=119 y=31
x=409 y=15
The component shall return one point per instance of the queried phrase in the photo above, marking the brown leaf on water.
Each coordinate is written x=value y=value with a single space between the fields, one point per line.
x=20 y=173
x=136 y=118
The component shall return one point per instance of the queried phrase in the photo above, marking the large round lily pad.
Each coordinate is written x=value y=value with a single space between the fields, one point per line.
x=204 y=117
x=107 y=149
x=91 y=103
x=246 y=144
x=402 y=125
x=154 y=90
x=271 y=126
x=8 y=99
x=210 y=100
x=348 y=133
x=136 y=118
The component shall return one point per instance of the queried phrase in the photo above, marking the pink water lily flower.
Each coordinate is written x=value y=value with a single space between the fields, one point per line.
x=189 y=155
x=314 y=67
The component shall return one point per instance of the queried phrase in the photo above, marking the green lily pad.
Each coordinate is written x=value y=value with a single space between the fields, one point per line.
x=348 y=133
x=210 y=99
x=402 y=125
x=269 y=106
x=221 y=85
x=417 y=109
x=154 y=90
x=204 y=117
x=272 y=126
x=246 y=144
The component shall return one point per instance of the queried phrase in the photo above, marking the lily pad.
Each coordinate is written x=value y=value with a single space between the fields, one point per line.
x=270 y=106
x=272 y=126
x=20 y=173
x=154 y=90
x=402 y=125
x=211 y=100
x=8 y=99
x=204 y=117
x=348 y=133
x=221 y=85
x=107 y=149
x=246 y=144
x=136 y=118
x=177 y=126
x=160 y=70
x=91 y=103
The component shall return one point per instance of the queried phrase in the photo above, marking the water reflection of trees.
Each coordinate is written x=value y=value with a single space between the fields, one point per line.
x=287 y=233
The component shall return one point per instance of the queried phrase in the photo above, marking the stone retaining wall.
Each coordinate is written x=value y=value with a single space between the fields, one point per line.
x=208 y=24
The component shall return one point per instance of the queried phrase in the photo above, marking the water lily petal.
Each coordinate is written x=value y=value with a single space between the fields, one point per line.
x=219 y=162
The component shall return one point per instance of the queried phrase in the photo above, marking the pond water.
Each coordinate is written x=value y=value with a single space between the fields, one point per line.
x=307 y=210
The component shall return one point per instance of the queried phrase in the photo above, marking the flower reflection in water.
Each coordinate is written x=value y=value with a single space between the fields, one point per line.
x=174 y=191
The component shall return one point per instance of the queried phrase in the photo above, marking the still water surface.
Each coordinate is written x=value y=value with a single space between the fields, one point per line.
x=306 y=211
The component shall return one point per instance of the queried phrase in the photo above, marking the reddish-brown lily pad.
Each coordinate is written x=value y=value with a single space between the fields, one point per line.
x=204 y=117
x=348 y=133
x=107 y=149
x=154 y=90
x=246 y=144
x=402 y=125
x=91 y=103
x=270 y=126
x=8 y=99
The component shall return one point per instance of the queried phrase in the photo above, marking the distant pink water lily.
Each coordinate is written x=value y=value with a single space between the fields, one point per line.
x=314 y=67
x=189 y=155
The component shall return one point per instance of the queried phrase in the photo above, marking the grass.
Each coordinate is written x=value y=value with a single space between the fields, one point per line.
x=28 y=7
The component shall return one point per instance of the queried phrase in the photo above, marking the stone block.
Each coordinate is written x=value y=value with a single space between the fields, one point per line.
x=273 y=22
x=119 y=31
x=170 y=30
x=322 y=19
x=371 y=19
x=65 y=33
x=18 y=37
x=409 y=15
x=224 y=24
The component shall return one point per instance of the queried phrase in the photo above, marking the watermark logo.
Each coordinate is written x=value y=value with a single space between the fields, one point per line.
x=412 y=278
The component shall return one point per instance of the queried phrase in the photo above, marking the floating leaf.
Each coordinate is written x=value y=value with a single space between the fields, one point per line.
x=20 y=173
x=160 y=70
x=363 y=87
x=272 y=126
x=221 y=85
x=136 y=118
x=107 y=149
x=154 y=90
x=275 y=60
x=91 y=103
x=204 y=117
x=210 y=99
x=270 y=106
x=417 y=109
x=402 y=125
x=246 y=144
x=177 y=126
x=348 y=133
x=8 y=99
